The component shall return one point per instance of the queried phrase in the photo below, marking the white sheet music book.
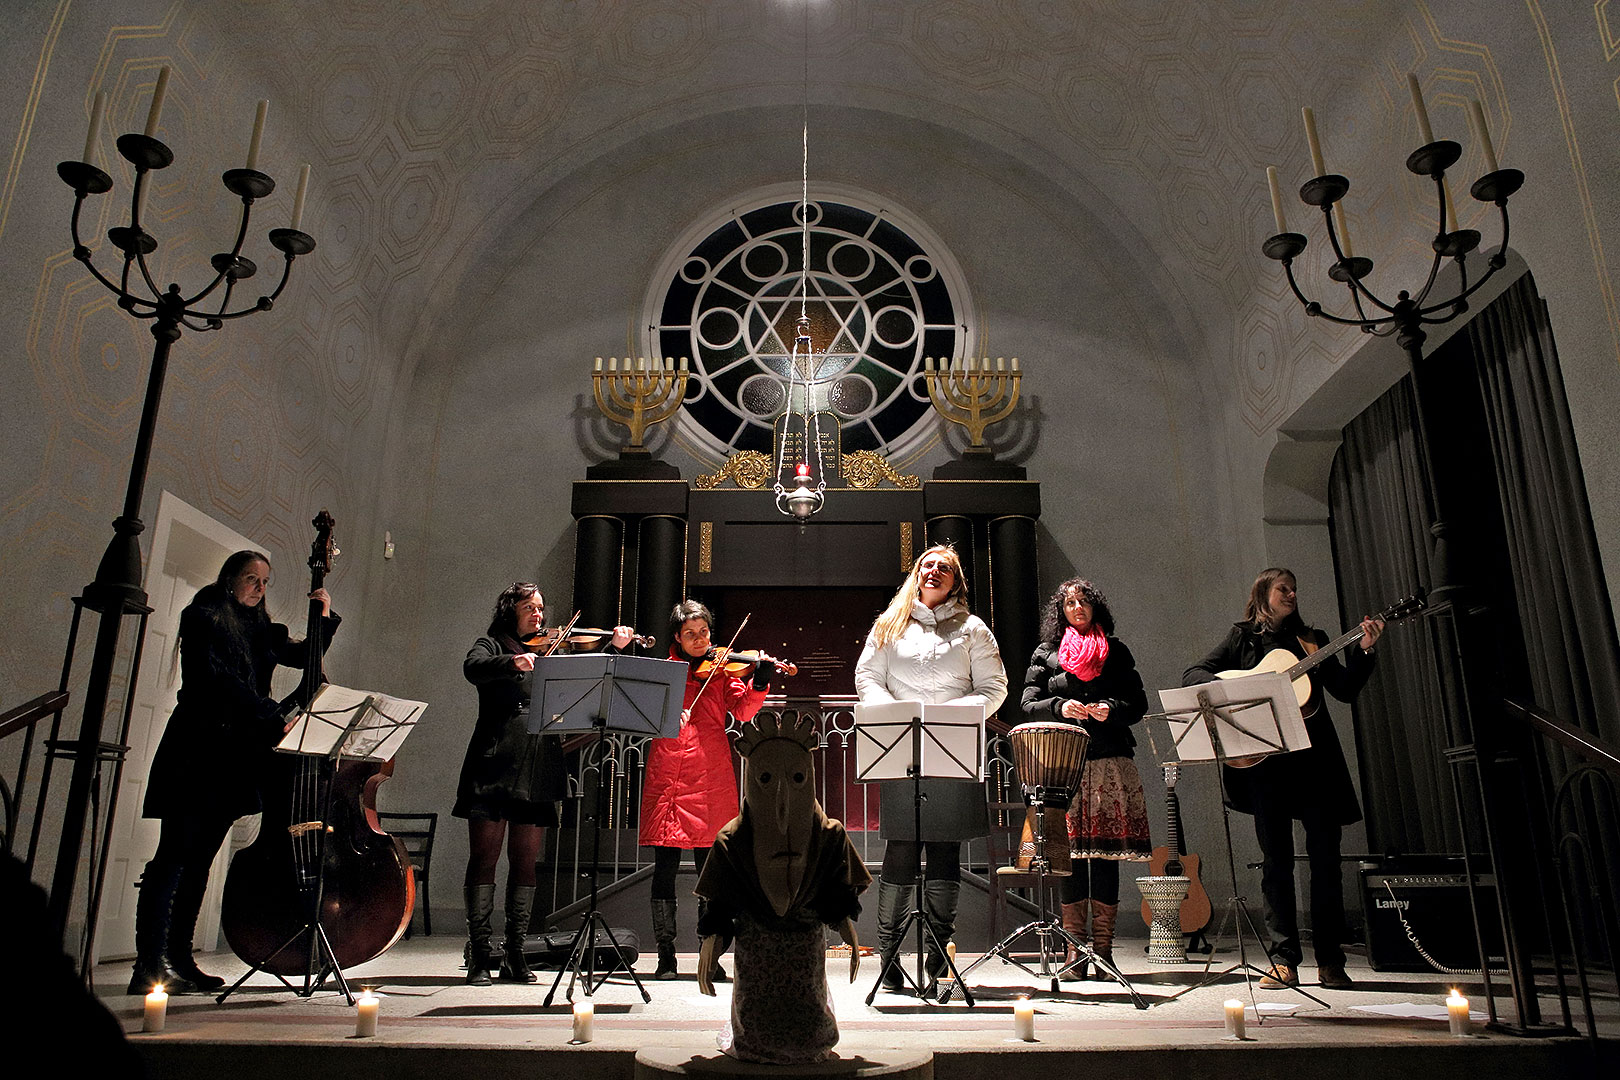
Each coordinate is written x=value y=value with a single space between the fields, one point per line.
x=952 y=740
x=1271 y=724
x=378 y=735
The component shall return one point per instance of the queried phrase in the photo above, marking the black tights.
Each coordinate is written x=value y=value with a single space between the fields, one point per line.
x=522 y=852
x=1092 y=879
x=902 y=861
x=666 y=864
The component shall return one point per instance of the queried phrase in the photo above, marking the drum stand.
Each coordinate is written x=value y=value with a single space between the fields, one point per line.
x=1047 y=930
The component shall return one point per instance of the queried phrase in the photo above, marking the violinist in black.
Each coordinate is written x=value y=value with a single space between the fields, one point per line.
x=1312 y=785
x=210 y=763
x=511 y=779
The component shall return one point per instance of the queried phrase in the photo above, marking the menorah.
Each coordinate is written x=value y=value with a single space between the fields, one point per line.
x=640 y=394
x=972 y=393
x=118 y=590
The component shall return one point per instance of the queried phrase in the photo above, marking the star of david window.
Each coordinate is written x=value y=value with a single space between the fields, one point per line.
x=882 y=296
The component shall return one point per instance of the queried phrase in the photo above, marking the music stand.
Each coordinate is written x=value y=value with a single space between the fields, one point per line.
x=1253 y=716
x=339 y=722
x=899 y=739
x=602 y=692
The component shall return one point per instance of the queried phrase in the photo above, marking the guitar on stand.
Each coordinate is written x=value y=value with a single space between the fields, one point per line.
x=1173 y=860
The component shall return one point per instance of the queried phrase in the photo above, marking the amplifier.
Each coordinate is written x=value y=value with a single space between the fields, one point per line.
x=1434 y=902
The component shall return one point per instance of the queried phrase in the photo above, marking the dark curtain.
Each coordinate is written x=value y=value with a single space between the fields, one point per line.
x=1503 y=450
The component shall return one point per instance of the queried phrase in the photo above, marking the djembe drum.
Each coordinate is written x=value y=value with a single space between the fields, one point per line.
x=1049 y=758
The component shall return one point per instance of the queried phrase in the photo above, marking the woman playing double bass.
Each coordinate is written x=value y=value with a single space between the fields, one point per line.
x=212 y=760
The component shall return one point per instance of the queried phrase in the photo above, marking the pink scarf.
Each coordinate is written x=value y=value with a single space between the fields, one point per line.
x=1082 y=655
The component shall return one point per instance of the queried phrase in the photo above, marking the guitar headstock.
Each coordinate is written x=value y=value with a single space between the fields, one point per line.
x=1405 y=607
x=1172 y=773
x=324 y=550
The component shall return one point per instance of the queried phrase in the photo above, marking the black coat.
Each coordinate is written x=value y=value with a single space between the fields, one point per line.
x=220 y=739
x=1047 y=686
x=1316 y=777
x=507 y=773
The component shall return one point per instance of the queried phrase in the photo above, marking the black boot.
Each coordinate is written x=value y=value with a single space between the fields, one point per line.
x=663 y=915
x=188 y=898
x=894 y=903
x=940 y=899
x=154 y=909
x=480 y=928
x=716 y=973
x=519 y=907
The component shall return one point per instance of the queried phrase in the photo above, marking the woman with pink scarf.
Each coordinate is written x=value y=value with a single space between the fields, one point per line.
x=1082 y=674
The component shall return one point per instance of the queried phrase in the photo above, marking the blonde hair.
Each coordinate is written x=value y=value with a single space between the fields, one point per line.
x=892 y=623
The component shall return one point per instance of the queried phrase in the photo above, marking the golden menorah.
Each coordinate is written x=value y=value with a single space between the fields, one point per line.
x=639 y=392
x=973 y=392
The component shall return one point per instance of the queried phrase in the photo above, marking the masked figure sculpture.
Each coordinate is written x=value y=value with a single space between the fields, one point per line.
x=778 y=873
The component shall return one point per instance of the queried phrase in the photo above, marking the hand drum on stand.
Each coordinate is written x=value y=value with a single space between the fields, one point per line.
x=1049 y=758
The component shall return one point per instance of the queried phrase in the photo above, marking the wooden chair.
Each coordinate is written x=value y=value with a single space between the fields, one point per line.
x=416 y=830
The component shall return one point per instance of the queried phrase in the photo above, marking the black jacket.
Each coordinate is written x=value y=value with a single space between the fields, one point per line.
x=1047 y=686
x=221 y=736
x=1316 y=777
x=505 y=764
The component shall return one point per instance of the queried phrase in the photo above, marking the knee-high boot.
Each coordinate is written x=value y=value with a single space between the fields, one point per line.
x=188 y=898
x=519 y=907
x=1103 y=917
x=894 y=903
x=940 y=899
x=663 y=916
x=1074 y=921
x=716 y=973
x=154 y=910
x=480 y=929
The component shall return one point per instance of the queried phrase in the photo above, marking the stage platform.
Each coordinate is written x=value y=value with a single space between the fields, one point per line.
x=436 y=1027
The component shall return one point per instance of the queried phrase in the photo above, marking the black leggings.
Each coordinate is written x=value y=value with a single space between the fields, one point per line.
x=187 y=846
x=1092 y=879
x=902 y=861
x=666 y=864
x=522 y=851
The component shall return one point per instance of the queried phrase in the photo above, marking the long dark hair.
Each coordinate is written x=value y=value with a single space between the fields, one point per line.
x=503 y=621
x=239 y=624
x=1054 y=622
x=1257 y=613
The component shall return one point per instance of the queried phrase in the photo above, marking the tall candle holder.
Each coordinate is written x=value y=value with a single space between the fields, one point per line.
x=117 y=590
x=974 y=393
x=640 y=393
x=1482 y=746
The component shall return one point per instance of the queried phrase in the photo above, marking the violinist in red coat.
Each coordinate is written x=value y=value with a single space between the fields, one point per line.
x=690 y=791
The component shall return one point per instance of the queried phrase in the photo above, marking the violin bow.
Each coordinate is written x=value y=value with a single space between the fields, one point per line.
x=562 y=634
x=716 y=669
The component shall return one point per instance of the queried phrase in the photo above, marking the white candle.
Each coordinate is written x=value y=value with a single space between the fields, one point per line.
x=97 y=112
x=1313 y=142
x=598 y=363
x=928 y=363
x=613 y=363
x=1451 y=206
x=1418 y=107
x=1236 y=1024
x=1457 y=1013
x=1015 y=363
x=365 y=1014
x=1001 y=363
x=1476 y=112
x=1344 y=230
x=1276 y=199
x=1024 y=1019
x=683 y=365
x=298 y=199
x=156 y=110
x=950 y=952
x=584 y=1020
x=258 y=135
x=157 y=1010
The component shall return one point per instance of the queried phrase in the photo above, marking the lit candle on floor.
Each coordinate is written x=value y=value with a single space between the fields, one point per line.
x=365 y=1014
x=157 y=1010
x=950 y=952
x=1024 y=1019
x=1236 y=1024
x=1457 y=1013
x=584 y=1021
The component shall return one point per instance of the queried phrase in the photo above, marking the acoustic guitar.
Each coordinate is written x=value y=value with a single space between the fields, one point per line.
x=1173 y=860
x=1283 y=662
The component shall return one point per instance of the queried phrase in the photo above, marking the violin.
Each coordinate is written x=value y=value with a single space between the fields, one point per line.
x=739 y=663
x=586 y=639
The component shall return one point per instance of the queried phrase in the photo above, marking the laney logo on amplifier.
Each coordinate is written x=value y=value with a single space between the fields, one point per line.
x=1397 y=905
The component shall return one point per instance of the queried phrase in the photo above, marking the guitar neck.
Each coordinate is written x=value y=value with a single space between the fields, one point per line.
x=1173 y=815
x=1325 y=653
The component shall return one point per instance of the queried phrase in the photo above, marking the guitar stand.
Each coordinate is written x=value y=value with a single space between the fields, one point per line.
x=1046 y=930
x=581 y=963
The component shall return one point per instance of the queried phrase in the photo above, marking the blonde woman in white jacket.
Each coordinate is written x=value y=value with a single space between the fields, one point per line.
x=926 y=646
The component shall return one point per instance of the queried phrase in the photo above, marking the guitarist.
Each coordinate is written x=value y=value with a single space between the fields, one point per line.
x=1311 y=785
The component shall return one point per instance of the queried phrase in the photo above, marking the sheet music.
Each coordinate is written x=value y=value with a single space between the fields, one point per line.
x=378 y=735
x=1267 y=721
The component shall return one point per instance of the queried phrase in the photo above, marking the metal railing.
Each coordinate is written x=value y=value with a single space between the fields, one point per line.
x=23 y=719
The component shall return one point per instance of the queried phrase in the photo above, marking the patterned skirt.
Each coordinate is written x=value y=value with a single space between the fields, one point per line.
x=781 y=1007
x=1108 y=816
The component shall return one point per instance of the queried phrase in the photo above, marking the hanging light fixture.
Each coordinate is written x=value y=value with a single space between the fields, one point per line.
x=809 y=492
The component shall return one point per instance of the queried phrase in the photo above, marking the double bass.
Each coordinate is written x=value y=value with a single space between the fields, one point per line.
x=320 y=845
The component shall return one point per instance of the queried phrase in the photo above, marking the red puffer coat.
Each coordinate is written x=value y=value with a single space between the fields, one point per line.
x=691 y=786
